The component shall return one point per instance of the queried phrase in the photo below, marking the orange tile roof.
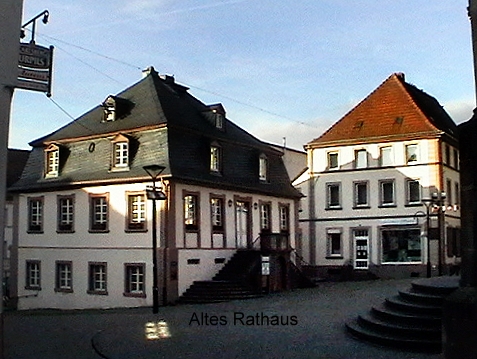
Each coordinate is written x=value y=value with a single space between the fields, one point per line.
x=396 y=110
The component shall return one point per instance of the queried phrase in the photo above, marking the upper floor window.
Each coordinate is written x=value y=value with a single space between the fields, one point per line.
x=413 y=192
x=35 y=214
x=333 y=160
x=217 y=214
x=284 y=211
x=386 y=156
x=333 y=195
x=447 y=155
x=411 y=153
x=215 y=158
x=456 y=159
x=361 y=194
x=387 y=196
x=98 y=213
x=120 y=153
x=449 y=191
x=52 y=161
x=66 y=213
x=136 y=219
x=219 y=120
x=457 y=193
x=191 y=212
x=361 y=159
x=263 y=168
x=265 y=210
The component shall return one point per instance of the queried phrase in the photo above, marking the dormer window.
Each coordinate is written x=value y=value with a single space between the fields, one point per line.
x=215 y=115
x=115 y=108
x=215 y=158
x=219 y=120
x=52 y=161
x=120 y=153
x=263 y=168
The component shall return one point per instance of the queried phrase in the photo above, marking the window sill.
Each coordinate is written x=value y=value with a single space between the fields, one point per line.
x=98 y=231
x=361 y=207
x=65 y=231
x=334 y=257
x=63 y=290
x=32 y=288
x=135 y=295
x=141 y=230
x=333 y=208
x=35 y=232
x=119 y=169
x=387 y=206
x=97 y=292
x=414 y=204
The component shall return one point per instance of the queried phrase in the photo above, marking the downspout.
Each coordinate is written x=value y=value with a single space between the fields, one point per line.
x=311 y=208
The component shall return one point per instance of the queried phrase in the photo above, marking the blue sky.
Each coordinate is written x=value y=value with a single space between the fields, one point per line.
x=280 y=68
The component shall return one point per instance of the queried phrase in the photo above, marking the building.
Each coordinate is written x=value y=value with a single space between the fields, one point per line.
x=84 y=238
x=16 y=160
x=366 y=180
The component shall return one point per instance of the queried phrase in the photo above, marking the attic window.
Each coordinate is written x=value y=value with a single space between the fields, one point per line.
x=120 y=153
x=219 y=120
x=263 y=168
x=109 y=110
x=115 y=108
x=52 y=161
x=358 y=125
x=399 y=120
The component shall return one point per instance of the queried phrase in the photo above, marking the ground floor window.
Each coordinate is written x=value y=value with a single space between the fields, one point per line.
x=134 y=281
x=401 y=245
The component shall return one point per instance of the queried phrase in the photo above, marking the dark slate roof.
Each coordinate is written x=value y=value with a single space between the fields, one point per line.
x=395 y=110
x=167 y=126
x=16 y=160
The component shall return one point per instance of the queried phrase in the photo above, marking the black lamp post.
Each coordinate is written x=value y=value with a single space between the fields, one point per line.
x=436 y=201
x=154 y=194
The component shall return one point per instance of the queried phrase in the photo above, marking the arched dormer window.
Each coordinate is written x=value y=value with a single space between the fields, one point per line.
x=263 y=168
x=115 y=108
x=52 y=160
x=120 y=153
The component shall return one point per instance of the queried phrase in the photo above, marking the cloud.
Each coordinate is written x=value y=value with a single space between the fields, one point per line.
x=460 y=110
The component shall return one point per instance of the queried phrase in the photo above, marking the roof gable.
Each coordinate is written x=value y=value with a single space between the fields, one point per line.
x=394 y=110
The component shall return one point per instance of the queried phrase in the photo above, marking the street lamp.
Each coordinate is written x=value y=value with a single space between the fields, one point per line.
x=437 y=203
x=155 y=194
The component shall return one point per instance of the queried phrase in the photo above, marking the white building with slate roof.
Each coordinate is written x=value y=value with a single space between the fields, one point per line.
x=84 y=222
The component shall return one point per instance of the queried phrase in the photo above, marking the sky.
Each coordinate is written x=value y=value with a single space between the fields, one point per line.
x=281 y=69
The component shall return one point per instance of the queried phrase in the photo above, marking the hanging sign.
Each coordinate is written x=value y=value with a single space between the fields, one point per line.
x=35 y=64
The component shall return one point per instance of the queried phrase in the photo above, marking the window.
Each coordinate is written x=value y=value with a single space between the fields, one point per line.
x=35 y=215
x=98 y=213
x=333 y=195
x=52 y=161
x=134 y=280
x=263 y=168
x=456 y=159
x=413 y=192
x=265 y=211
x=449 y=191
x=386 y=156
x=136 y=212
x=447 y=155
x=33 y=275
x=215 y=158
x=284 y=218
x=411 y=153
x=191 y=213
x=457 y=193
x=219 y=120
x=333 y=160
x=217 y=214
x=453 y=242
x=65 y=213
x=387 y=193
x=361 y=159
x=334 y=242
x=401 y=245
x=109 y=109
x=121 y=154
x=64 y=276
x=97 y=283
x=361 y=194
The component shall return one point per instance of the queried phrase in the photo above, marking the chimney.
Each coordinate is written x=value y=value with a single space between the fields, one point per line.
x=148 y=71
x=168 y=79
x=401 y=76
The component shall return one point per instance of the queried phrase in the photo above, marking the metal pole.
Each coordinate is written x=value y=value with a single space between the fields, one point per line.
x=155 y=289
x=10 y=24
x=428 y=242
x=441 y=236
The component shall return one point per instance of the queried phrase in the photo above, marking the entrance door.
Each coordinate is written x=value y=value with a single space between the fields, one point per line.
x=242 y=224
x=361 y=249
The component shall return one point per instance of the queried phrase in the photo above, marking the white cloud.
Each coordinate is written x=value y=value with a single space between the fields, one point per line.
x=460 y=110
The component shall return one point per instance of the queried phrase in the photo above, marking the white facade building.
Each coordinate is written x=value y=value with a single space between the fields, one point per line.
x=367 y=177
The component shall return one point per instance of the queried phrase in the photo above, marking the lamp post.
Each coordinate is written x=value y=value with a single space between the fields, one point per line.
x=437 y=203
x=153 y=194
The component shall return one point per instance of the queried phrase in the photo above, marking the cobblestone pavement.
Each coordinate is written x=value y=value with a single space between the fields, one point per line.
x=306 y=323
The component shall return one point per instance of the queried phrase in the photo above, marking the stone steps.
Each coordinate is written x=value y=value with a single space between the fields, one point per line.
x=410 y=320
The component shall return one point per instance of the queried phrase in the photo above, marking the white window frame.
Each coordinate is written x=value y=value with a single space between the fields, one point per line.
x=329 y=187
x=66 y=213
x=135 y=279
x=33 y=274
x=98 y=280
x=99 y=215
x=215 y=158
x=64 y=276
x=331 y=164
x=136 y=218
x=411 y=157
x=409 y=200
x=330 y=235
x=284 y=212
x=356 y=193
x=217 y=213
x=191 y=211
x=361 y=158
x=382 y=183
x=384 y=160
x=265 y=217
x=35 y=215
x=121 y=154
x=263 y=168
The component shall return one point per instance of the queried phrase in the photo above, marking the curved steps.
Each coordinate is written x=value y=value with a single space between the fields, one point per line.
x=410 y=320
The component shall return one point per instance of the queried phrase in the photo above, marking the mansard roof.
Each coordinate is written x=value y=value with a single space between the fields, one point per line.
x=165 y=125
x=396 y=110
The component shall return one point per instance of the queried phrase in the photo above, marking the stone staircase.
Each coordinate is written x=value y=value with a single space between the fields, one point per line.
x=410 y=320
x=238 y=279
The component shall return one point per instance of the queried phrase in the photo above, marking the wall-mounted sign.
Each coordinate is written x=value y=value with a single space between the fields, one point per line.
x=35 y=64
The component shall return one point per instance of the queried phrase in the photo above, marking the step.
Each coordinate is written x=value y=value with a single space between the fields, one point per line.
x=403 y=330
x=400 y=304
x=389 y=314
x=424 y=298
x=436 y=285
x=422 y=345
